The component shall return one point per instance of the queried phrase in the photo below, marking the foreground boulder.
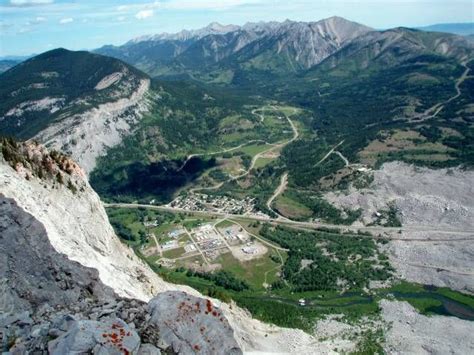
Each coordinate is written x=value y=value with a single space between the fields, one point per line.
x=111 y=337
x=191 y=324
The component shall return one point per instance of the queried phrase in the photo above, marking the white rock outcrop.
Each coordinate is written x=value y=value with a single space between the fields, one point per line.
x=413 y=333
x=87 y=136
x=436 y=210
x=77 y=226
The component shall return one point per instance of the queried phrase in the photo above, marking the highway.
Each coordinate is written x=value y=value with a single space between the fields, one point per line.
x=304 y=225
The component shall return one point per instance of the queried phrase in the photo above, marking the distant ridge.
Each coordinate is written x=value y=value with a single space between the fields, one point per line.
x=462 y=29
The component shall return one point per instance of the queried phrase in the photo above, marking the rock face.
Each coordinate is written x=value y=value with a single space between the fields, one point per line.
x=75 y=222
x=109 y=337
x=199 y=321
x=305 y=43
x=413 y=333
x=29 y=262
x=50 y=303
x=439 y=201
x=75 y=102
x=87 y=135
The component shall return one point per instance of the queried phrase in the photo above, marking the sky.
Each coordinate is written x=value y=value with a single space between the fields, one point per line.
x=35 y=26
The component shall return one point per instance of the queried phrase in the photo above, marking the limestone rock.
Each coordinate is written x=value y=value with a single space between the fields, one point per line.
x=110 y=337
x=191 y=324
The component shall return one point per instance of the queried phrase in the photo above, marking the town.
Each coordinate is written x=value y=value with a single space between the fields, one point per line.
x=204 y=202
x=200 y=247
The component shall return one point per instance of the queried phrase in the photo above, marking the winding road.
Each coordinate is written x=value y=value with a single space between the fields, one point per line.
x=436 y=109
x=257 y=156
x=189 y=157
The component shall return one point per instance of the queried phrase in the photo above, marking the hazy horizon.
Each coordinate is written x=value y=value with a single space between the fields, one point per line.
x=35 y=26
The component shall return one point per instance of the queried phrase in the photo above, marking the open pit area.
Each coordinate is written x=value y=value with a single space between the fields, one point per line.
x=440 y=201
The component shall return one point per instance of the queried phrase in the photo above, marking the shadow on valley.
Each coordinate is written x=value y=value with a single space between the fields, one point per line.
x=145 y=182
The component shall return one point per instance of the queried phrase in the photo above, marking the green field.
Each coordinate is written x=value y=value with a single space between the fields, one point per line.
x=291 y=208
x=252 y=271
x=279 y=304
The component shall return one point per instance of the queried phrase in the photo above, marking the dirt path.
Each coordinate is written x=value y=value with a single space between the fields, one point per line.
x=433 y=111
x=158 y=247
x=197 y=247
x=279 y=190
x=346 y=162
x=255 y=158
x=189 y=157
x=328 y=153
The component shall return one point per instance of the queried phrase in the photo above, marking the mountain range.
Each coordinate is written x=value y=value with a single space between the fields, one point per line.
x=463 y=29
x=310 y=64
x=218 y=53
x=340 y=156
x=292 y=46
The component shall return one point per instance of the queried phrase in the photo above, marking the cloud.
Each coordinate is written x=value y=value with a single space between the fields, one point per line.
x=188 y=5
x=37 y=20
x=207 y=4
x=30 y=2
x=121 y=18
x=141 y=15
x=66 y=20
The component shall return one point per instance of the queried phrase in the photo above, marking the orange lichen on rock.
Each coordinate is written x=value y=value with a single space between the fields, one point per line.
x=209 y=306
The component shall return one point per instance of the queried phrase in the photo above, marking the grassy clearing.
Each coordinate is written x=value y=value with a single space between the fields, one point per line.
x=263 y=162
x=174 y=253
x=252 y=271
x=409 y=144
x=254 y=149
x=225 y=224
x=291 y=208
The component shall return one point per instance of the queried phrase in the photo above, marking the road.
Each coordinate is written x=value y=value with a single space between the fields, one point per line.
x=279 y=190
x=284 y=179
x=437 y=108
x=329 y=153
x=259 y=115
x=308 y=225
x=189 y=157
x=275 y=146
x=437 y=268
x=197 y=247
x=346 y=162
x=255 y=158
x=220 y=235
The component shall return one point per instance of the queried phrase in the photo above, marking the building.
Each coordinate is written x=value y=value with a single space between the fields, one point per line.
x=249 y=250
x=151 y=224
x=172 y=244
x=176 y=233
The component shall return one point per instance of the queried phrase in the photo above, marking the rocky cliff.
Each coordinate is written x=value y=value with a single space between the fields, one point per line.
x=69 y=284
x=76 y=102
